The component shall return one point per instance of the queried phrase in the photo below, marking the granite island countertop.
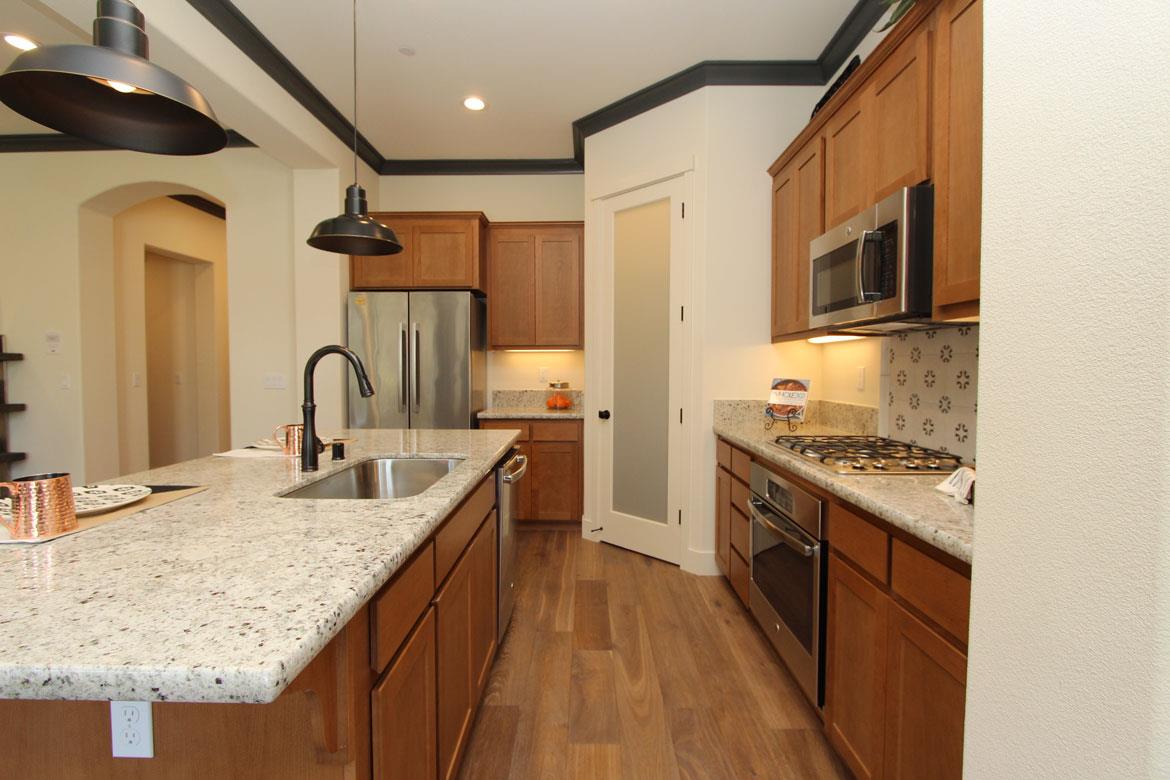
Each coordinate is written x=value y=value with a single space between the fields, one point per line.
x=228 y=594
x=907 y=502
x=531 y=413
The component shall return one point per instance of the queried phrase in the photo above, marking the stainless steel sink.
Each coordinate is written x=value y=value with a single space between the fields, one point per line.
x=379 y=478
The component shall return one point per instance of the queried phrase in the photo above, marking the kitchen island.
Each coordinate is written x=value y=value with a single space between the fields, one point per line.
x=235 y=596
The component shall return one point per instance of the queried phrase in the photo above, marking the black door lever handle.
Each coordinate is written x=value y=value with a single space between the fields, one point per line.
x=603 y=414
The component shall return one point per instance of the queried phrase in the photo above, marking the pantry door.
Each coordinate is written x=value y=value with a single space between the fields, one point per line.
x=640 y=421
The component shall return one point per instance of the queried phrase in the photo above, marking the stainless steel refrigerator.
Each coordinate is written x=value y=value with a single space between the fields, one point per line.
x=426 y=354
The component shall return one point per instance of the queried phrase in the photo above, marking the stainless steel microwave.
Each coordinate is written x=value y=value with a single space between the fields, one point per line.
x=873 y=272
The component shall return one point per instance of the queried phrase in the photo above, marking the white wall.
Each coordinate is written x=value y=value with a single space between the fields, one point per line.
x=46 y=272
x=841 y=363
x=552 y=197
x=1069 y=672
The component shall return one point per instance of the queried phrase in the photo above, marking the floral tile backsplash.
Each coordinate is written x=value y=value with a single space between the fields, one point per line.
x=929 y=381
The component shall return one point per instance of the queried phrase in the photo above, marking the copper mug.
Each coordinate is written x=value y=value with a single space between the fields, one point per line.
x=42 y=505
x=294 y=436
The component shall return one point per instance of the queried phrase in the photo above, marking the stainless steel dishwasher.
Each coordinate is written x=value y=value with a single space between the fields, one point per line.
x=508 y=475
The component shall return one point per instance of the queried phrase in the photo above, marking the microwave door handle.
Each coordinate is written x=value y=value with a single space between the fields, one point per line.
x=868 y=237
x=786 y=537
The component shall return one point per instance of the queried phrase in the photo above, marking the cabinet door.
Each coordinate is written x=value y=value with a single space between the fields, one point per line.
x=512 y=288
x=810 y=222
x=926 y=683
x=558 y=287
x=484 y=628
x=456 y=686
x=958 y=156
x=785 y=275
x=444 y=253
x=848 y=150
x=403 y=709
x=555 y=472
x=393 y=272
x=855 y=669
x=900 y=101
x=722 y=519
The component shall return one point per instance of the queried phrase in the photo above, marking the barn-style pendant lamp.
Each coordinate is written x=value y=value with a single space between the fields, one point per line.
x=110 y=92
x=354 y=232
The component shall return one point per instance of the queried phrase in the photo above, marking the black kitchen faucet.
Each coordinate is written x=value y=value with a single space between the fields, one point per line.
x=310 y=442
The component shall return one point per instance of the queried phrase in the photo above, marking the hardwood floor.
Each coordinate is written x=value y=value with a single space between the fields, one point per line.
x=621 y=666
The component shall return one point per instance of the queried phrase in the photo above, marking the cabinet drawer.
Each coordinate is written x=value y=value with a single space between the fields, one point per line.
x=399 y=604
x=457 y=532
x=723 y=454
x=741 y=465
x=940 y=592
x=861 y=542
x=566 y=430
x=740 y=576
x=741 y=534
x=740 y=498
x=508 y=425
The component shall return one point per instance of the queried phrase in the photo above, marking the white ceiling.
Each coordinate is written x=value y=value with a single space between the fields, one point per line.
x=539 y=65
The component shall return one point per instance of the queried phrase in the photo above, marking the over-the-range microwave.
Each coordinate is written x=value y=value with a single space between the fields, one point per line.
x=873 y=273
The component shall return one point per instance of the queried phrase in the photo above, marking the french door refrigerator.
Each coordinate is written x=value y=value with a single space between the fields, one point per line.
x=426 y=356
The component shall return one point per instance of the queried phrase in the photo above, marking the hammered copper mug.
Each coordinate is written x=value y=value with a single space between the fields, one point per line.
x=294 y=436
x=42 y=505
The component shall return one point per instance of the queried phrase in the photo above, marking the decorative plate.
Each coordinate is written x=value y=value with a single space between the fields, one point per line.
x=95 y=499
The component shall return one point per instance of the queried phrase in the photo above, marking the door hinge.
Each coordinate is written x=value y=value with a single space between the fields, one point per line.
x=682 y=313
x=680 y=517
x=684 y=210
x=680 y=416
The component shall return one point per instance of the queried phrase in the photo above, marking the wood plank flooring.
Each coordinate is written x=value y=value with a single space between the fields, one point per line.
x=622 y=666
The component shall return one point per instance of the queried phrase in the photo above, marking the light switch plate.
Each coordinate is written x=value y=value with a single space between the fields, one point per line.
x=132 y=729
x=53 y=342
x=275 y=382
x=861 y=377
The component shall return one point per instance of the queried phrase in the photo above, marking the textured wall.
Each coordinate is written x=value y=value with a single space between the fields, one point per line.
x=1069 y=673
x=929 y=384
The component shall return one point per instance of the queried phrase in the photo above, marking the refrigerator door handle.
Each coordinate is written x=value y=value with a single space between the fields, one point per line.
x=402 y=367
x=417 y=370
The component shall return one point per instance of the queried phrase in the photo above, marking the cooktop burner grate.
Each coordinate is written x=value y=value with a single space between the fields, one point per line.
x=869 y=454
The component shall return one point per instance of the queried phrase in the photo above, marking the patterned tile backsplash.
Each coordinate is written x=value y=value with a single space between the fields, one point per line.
x=929 y=381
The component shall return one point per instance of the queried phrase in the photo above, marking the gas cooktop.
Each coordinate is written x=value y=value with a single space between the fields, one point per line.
x=869 y=455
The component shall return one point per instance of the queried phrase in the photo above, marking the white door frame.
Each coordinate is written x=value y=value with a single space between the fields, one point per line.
x=600 y=524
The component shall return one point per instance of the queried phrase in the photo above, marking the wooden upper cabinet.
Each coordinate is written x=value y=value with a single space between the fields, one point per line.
x=899 y=97
x=855 y=669
x=848 y=160
x=536 y=284
x=958 y=158
x=439 y=251
x=798 y=216
x=926 y=694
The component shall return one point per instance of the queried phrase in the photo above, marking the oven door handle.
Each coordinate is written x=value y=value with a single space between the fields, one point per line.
x=786 y=536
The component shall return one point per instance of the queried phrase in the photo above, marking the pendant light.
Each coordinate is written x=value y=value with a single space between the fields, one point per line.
x=354 y=232
x=110 y=92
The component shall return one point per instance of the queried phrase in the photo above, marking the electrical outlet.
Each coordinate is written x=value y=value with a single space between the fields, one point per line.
x=275 y=382
x=543 y=375
x=66 y=382
x=135 y=379
x=52 y=342
x=132 y=729
x=861 y=377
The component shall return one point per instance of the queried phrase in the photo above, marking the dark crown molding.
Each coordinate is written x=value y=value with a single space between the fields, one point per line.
x=230 y=21
x=59 y=142
x=201 y=203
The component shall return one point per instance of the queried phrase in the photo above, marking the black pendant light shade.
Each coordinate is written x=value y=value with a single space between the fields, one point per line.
x=110 y=92
x=354 y=232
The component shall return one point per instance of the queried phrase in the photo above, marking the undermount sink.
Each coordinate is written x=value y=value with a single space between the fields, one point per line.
x=379 y=478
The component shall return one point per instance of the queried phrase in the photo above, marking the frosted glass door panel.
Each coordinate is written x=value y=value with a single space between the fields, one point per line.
x=641 y=360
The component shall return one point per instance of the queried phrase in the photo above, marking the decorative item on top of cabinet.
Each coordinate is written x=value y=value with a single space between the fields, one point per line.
x=553 y=490
x=441 y=251
x=536 y=285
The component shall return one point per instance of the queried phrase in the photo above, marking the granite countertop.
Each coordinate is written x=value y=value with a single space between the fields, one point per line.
x=223 y=596
x=531 y=413
x=907 y=502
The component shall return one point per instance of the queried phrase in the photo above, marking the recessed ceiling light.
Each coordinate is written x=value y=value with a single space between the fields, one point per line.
x=474 y=103
x=20 y=42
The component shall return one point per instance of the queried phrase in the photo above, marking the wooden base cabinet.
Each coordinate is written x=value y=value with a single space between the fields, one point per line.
x=553 y=489
x=403 y=707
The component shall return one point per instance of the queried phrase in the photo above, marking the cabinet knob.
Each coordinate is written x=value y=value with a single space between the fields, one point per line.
x=603 y=414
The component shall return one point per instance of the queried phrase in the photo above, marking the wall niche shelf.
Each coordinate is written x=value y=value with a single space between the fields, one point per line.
x=7 y=458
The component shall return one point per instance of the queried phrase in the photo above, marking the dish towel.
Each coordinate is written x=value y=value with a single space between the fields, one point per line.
x=960 y=484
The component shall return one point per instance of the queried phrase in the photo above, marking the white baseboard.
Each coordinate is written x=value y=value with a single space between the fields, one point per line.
x=700 y=562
